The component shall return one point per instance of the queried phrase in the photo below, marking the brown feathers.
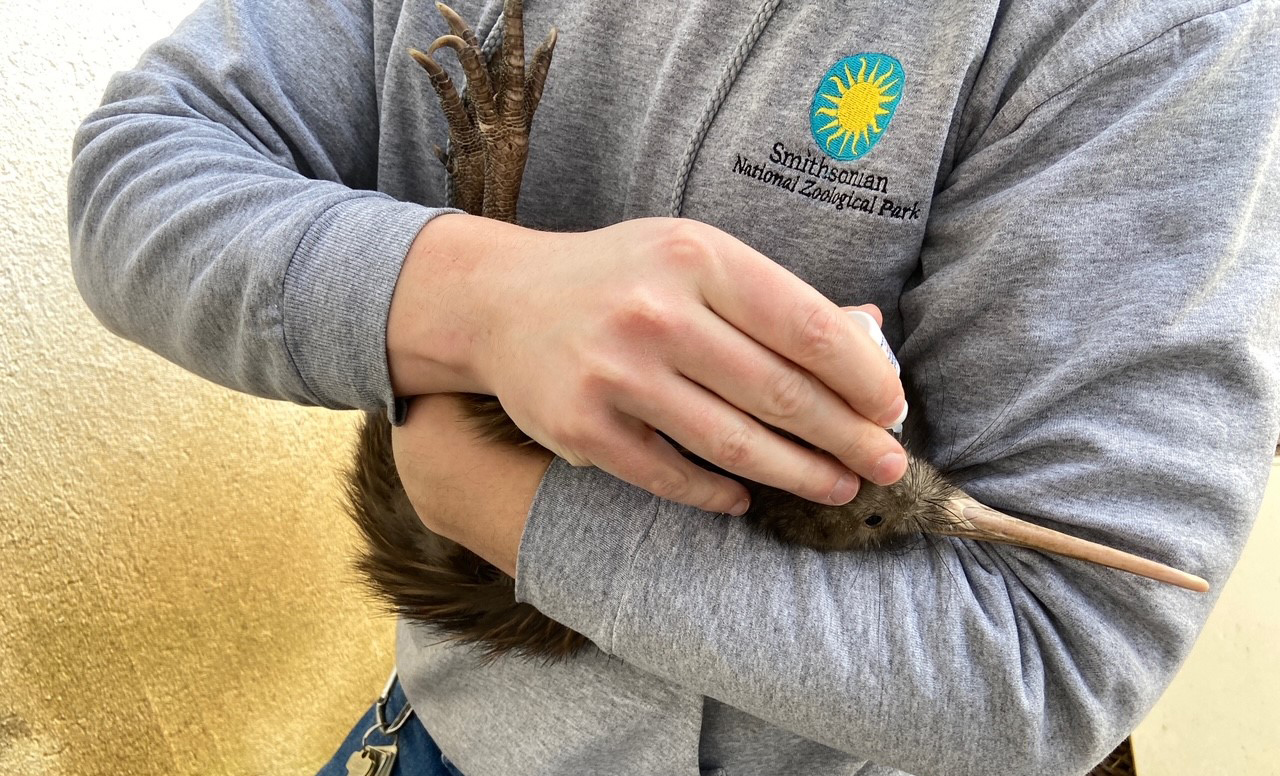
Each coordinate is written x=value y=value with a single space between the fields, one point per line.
x=426 y=578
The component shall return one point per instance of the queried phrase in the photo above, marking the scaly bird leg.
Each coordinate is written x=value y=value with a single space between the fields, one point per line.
x=489 y=124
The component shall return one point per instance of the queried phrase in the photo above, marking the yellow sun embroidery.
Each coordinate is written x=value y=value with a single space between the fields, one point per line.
x=855 y=103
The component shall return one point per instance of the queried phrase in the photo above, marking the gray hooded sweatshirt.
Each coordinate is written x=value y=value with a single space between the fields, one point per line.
x=1066 y=209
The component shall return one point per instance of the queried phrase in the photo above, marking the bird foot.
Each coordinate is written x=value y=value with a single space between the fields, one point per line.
x=489 y=123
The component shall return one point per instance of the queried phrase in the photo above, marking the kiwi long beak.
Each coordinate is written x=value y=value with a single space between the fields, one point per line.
x=976 y=521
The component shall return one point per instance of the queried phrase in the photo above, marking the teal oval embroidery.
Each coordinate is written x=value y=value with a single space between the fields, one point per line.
x=855 y=103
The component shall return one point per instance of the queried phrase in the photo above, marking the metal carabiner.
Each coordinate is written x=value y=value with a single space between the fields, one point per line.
x=380 y=713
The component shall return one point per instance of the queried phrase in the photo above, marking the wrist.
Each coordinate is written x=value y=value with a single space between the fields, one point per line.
x=440 y=305
x=470 y=490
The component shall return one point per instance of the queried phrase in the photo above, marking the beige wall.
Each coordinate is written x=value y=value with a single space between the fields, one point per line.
x=175 y=596
x=1221 y=716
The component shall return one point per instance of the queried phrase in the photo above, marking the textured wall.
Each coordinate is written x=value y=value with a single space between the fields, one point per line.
x=175 y=593
x=1218 y=718
x=174 y=589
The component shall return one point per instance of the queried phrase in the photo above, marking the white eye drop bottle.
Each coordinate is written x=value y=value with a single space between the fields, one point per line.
x=873 y=330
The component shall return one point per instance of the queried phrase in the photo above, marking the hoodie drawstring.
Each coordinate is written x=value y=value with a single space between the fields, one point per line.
x=730 y=75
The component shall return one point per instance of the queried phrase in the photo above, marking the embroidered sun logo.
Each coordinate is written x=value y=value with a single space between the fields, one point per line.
x=855 y=103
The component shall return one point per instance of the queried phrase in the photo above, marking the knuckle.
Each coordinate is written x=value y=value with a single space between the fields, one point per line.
x=888 y=393
x=848 y=449
x=671 y=484
x=602 y=378
x=817 y=336
x=571 y=439
x=853 y=449
x=733 y=450
x=788 y=393
x=644 y=313
x=685 y=245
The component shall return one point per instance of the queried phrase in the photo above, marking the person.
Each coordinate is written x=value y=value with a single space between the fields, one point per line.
x=1065 y=213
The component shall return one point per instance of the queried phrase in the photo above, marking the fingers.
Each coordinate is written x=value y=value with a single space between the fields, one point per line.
x=786 y=315
x=648 y=461
x=731 y=439
x=765 y=386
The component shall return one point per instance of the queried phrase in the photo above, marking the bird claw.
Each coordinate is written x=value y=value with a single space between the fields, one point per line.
x=489 y=124
x=454 y=42
x=457 y=25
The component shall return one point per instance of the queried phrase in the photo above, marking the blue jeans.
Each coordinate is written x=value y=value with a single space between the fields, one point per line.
x=418 y=754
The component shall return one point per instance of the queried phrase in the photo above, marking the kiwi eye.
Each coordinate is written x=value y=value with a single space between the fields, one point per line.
x=873 y=521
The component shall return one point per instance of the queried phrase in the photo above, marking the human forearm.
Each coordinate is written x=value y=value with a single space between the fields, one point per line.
x=444 y=294
x=221 y=221
x=931 y=662
x=441 y=463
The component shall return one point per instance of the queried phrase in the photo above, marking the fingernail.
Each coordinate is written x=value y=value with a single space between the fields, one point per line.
x=889 y=469
x=740 y=508
x=844 y=491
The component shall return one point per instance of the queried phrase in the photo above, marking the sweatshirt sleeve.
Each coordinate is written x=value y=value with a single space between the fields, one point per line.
x=1097 y=313
x=220 y=209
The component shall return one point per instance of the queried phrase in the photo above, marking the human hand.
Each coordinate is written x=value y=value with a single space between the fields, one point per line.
x=465 y=488
x=594 y=341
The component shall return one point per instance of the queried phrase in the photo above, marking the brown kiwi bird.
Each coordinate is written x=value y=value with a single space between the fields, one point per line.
x=428 y=579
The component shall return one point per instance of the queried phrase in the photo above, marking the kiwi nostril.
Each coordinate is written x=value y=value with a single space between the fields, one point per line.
x=873 y=521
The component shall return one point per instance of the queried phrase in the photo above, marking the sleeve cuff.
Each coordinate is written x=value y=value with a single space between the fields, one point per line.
x=337 y=295
x=584 y=532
